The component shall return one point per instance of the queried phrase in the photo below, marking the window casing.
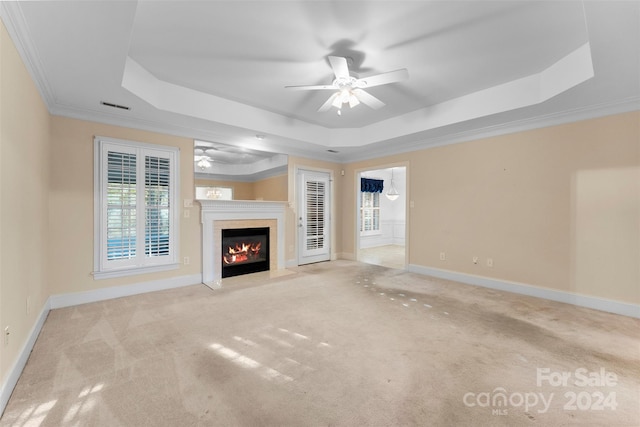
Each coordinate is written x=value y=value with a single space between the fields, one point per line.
x=369 y=213
x=136 y=215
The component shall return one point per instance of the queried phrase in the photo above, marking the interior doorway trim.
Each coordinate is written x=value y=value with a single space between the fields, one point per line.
x=358 y=174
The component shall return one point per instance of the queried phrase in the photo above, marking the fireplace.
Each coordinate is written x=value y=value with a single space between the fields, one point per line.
x=244 y=251
x=218 y=215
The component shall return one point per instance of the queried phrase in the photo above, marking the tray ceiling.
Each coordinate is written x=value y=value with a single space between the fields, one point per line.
x=216 y=71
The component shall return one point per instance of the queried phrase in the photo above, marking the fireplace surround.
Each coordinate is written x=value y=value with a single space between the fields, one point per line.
x=217 y=215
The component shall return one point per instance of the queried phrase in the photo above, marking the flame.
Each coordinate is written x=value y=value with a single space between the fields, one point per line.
x=241 y=252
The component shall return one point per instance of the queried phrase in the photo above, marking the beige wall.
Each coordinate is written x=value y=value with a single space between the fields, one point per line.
x=273 y=188
x=557 y=207
x=24 y=173
x=71 y=205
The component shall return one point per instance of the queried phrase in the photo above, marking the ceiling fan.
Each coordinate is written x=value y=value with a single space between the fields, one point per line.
x=350 y=89
x=202 y=157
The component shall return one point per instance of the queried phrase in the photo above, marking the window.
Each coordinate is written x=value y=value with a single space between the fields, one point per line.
x=369 y=212
x=136 y=215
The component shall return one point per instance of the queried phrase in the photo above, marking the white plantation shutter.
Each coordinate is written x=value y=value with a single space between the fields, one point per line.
x=370 y=211
x=315 y=196
x=314 y=220
x=136 y=215
x=121 y=205
x=157 y=206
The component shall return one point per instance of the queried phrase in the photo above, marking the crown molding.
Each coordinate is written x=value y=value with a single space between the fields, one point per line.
x=548 y=120
x=369 y=152
x=191 y=132
x=17 y=28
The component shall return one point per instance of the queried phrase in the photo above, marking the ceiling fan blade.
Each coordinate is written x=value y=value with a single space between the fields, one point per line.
x=368 y=99
x=328 y=103
x=340 y=67
x=311 y=87
x=383 y=79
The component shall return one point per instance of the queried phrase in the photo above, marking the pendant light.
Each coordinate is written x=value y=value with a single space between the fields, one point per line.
x=392 y=194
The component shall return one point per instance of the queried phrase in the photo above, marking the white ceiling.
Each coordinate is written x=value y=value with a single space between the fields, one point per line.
x=216 y=71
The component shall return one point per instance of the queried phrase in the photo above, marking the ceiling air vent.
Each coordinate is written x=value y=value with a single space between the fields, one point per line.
x=332 y=151
x=111 y=104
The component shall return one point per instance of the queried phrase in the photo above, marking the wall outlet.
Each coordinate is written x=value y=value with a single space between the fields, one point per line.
x=185 y=261
x=475 y=259
x=188 y=203
x=187 y=213
x=489 y=262
x=443 y=256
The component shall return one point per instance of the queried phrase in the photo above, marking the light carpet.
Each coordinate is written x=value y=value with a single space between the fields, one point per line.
x=334 y=344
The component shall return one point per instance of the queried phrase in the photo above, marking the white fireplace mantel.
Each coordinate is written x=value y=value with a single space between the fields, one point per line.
x=224 y=210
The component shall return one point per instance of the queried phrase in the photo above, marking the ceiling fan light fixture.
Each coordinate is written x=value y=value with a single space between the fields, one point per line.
x=345 y=95
x=337 y=101
x=353 y=100
x=351 y=88
x=204 y=163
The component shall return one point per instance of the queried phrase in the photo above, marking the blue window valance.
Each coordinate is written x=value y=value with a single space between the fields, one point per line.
x=368 y=185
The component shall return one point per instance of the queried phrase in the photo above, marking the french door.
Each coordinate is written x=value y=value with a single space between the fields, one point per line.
x=314 y=236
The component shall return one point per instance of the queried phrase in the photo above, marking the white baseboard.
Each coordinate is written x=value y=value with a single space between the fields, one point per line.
x=102 y=294
x=16 y=370
x=68 y=300
x=616 y=307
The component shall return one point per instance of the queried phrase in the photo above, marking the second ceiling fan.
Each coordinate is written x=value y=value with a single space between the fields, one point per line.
x=350 y=89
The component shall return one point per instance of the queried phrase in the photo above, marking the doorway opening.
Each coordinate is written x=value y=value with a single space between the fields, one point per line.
x=382 y=217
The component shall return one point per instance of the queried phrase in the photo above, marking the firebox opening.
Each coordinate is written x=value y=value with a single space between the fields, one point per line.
x=244 y=251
